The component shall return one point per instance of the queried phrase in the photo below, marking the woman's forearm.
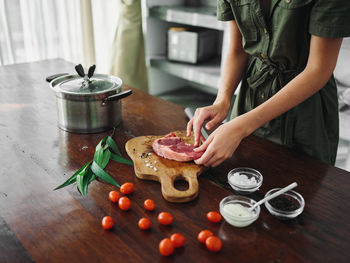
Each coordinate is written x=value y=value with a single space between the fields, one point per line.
x=234 y=65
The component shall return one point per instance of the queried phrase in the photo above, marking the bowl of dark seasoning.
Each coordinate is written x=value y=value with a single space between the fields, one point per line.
x=285 y=206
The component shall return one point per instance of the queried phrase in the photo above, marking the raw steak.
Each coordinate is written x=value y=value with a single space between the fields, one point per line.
x=173 y=148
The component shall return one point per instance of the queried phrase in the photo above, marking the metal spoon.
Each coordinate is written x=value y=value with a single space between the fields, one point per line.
x=279 y=192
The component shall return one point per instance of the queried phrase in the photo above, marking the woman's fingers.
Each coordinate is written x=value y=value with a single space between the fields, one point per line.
x=205 y=145
x=221 y=144
x=217 y=162
x=210 y=159
x=205 y=158
x=198 y=120
x=213 y=122
x=189 y=127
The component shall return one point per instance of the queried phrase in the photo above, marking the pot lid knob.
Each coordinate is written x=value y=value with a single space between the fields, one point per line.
x=87 y=83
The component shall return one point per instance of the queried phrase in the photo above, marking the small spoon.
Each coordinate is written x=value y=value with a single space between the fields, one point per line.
x=279 y=192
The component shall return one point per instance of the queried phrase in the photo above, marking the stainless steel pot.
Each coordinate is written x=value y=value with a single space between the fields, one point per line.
x=88 y=104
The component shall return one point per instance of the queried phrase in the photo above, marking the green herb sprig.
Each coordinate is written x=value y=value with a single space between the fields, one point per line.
x=106 y=150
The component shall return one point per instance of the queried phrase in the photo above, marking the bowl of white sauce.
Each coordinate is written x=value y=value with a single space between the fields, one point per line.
x=245 y=180
x=235 y=210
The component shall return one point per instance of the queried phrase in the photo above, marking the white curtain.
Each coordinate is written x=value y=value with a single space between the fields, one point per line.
x=33 y=30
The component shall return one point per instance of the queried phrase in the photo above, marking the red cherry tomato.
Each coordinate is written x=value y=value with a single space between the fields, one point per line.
x=214 y=217
x=203 y=235
x=124 y=203
x=149 y=204
x=178 y=240
x=127 y=188
x=213 y=243
x=107 y=222
x=166 y=248
x=165 y=218
x=144 y=223
x=114 y=196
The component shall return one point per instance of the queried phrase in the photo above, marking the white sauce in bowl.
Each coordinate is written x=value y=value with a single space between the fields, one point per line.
x=238 y=215
x=237 y=210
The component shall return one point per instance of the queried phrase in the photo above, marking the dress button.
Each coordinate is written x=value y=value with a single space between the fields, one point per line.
x=263 y=55
x=287 y=1
x=265 y=30
x=262 y=96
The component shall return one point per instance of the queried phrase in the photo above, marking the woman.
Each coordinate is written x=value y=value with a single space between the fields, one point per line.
x=284 y=51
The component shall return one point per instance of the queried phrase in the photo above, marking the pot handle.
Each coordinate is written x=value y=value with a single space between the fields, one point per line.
x=51 y=78
x=117 y=96
x=80 y=70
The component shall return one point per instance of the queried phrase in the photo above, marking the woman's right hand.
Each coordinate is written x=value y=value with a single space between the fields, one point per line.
x=215 y=113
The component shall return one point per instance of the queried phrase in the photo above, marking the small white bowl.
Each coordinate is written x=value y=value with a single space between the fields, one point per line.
x=236 y=220
x=250 y=173
x=291 y=195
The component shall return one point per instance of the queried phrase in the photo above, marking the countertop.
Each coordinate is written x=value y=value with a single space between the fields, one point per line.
x=38 y=224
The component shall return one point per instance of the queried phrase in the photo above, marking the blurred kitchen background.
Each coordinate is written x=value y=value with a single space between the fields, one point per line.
x=170 y=48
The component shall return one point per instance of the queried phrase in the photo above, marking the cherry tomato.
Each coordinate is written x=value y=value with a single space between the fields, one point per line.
x=107 y=222
x=165 y=218
x=144 y=223
x=114 y=196
x=203 y=235
x=124 y=203
x=214 y=217
x=213 y=243
x=178 y=240
x=149 y=204
x=166 y=248
x=127 y=188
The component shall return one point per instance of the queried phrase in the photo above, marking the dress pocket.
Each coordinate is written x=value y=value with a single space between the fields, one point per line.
x=244 y=16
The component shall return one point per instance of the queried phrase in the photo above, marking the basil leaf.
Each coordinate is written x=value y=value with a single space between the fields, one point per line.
x=87 y=179
x=113 y=145
x=93 y=177
x=105 y=147
x=106 y=157
x=82 y=180
x=120 y=159
x=99 y=151
x=80 y=183
x=97 y=170
x=99 y=145
x=88 y=173
x=73 y=178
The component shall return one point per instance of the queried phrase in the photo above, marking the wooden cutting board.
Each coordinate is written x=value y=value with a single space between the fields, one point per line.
x=150 y=166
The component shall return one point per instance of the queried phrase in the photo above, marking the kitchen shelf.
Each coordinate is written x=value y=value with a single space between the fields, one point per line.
x=207 y=74
x=203 y=16
x=166 y=76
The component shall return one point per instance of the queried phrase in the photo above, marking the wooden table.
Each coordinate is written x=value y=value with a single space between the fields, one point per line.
x=42 y=225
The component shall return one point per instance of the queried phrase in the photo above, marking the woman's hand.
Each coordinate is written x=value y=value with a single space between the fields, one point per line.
x=222 y=143
x=234 y=65
x=216 y=113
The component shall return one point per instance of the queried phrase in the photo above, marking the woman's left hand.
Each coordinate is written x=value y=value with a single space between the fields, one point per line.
x=222 y=143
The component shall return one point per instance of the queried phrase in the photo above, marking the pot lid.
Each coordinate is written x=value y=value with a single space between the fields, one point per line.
x=74 y=84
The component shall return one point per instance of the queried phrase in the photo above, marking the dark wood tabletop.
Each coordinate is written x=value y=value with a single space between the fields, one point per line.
x=41 y=225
